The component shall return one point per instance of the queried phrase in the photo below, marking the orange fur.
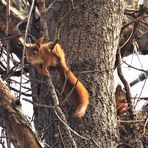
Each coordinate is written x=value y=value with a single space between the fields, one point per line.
x=80 y=96
x=121 y=103
x=40 y=54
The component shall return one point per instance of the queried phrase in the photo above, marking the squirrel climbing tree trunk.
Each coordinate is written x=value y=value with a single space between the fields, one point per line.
x=89 y=33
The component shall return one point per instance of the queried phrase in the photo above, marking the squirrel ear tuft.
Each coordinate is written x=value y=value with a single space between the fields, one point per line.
x=39 y=42
x=119 y=88
x=52 y=44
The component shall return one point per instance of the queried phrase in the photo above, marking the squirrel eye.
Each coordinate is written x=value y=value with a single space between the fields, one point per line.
x=34 y=52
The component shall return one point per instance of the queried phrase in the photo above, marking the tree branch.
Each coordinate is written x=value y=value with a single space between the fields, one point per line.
x=126 y=85
x=16 y=124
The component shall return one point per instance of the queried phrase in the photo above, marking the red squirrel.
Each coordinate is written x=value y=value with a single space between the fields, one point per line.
x=121 y=103
x=47 y=54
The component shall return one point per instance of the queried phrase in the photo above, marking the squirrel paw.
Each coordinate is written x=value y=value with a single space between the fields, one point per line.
x=58 y=51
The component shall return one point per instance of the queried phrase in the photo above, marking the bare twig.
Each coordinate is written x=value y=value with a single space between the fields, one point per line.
x=140 y=94
x=134 y=30
x=133 y=21
x=43 y=19
x=68 y=127
x=126 y=85
x=25 y=94
x=144 y=23
x=51 y=5
x=58 y=112
x=38 y=105
x=3 y=66
x=95 y=143
x=23 y=55
x=7 y=33
x=9 y=37
x=55 y=110
x=16 y=35
x=72 y=89
x=17 y=13
x=145 y=124
x=61 y=137
x=11 y=71
x=47 y=145
x=64 y=85
x=145 y=71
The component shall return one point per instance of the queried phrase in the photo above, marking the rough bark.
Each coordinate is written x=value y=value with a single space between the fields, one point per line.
x=16 y=124
x=89 y=33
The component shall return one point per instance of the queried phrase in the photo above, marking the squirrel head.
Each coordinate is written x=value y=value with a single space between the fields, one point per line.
x=120 y=94
x=32 y=50
x=122 y=105
x=36 y=53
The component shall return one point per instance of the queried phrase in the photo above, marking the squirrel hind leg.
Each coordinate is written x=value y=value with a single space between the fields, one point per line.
x=80 y=111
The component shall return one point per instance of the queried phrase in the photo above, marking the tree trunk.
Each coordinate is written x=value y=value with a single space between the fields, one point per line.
x=89 y=33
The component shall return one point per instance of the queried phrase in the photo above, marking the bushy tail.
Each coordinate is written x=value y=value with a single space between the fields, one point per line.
x=82 y=101
x=80 y=95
